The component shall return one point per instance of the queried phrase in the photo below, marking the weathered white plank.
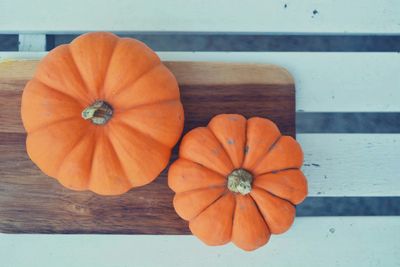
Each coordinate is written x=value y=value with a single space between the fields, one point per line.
x=331 y=16
x=32 y=42
x=352 y=164
x=325 y=82
x=334 y=82
x=318 y=241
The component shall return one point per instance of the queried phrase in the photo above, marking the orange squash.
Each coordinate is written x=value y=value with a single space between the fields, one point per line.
x=102 y=114
x=237 y=180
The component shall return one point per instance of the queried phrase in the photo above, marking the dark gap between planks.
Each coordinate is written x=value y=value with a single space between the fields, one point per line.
x=256 y=42
x=349 y=206
x=348 y=122
x=9 y=42
x=240 y=42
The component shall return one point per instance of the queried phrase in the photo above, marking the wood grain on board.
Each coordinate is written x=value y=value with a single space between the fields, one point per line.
x=31 y=202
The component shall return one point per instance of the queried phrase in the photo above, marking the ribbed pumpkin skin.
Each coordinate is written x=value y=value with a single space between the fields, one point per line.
x=209 y=154
x=134 y=146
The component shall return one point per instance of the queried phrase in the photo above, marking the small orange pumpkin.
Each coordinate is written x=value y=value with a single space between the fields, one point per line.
x=237 y=180
x=102 y=113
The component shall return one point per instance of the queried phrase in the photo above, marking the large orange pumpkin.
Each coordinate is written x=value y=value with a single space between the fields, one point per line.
x=102 y=113
x=237 y=180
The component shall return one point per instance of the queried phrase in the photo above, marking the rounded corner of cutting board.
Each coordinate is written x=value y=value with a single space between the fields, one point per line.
x=284 y=71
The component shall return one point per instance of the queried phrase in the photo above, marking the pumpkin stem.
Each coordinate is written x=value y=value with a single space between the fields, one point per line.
x=99 y=112
x=239 y=181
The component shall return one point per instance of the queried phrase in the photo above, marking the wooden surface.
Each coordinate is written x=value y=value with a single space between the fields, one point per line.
x=329 y=16
x=312 y=241
x=326 y=82
x=30 y=202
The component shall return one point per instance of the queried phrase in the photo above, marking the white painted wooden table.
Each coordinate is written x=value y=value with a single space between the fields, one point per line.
x=344 y=164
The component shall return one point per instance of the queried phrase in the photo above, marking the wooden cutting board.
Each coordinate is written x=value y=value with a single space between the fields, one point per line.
x=31 y=202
